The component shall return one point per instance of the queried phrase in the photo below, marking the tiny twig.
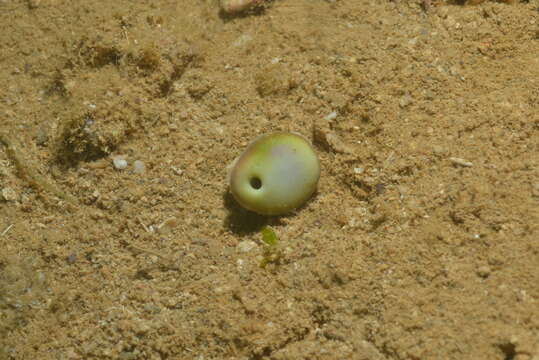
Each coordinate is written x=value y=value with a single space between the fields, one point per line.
x=6 y=230
x=152 y=252
x=461 y=162
x=142 y=224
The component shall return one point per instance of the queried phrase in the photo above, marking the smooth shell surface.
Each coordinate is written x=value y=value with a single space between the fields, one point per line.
x=275 y=174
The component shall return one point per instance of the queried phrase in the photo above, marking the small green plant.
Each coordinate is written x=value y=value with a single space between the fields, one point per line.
x=272 y=253
x=268 y=236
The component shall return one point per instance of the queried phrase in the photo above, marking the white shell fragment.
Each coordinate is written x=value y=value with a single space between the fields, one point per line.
x=119 y=162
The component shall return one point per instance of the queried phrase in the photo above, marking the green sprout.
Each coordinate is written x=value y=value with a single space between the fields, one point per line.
x=268 y=236
x=272 y=252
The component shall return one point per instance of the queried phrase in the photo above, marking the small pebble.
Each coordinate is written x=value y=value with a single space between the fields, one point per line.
x=242 y=40
x=177 y=170
x=246 y=246
x=8 y=194
x=483 y=271
x=326 y=137
x=168 y=225
x=34 y=4
x=236 y=6
x=331 y=116
x=438 y=150
x=461 y=162
x=535 y=189
x=71 y=259
x=405 y=101
x=380 y=189
x=139 y=167
x=119 y=162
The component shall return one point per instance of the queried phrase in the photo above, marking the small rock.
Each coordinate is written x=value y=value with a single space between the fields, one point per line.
x=379 y=188
x=42 y=138
x=139 y=167
x=71 y=259
x=438 y=150
x=166 y=226
x=535 y=190
x=151 y=308
x=336 y=143
x=405 y=101
x=324 y=136
x=71 y=354
x=246 y=246
x=34 y=4
x=460 y=162
x=483 y=271
x=8 y=194
x=142 y=327
x=236 y=6
x=96 y=194
x=242 y=40
x=331 y=116
x=176 y=170
x=119 y=162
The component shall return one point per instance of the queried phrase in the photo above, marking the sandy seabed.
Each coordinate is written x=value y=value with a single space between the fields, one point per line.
x=422 y=241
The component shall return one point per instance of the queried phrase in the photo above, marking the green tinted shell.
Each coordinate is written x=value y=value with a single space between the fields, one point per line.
x=275 y=174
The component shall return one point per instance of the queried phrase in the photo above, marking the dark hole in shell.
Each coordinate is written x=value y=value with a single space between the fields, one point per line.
x=255 y=182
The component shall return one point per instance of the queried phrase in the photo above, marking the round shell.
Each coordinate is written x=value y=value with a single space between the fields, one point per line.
x=275 y=174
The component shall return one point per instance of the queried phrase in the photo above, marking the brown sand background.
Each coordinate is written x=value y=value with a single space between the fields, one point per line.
x=421 y=243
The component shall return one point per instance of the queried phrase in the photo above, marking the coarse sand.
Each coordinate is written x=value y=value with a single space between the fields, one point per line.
x=421 y=242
